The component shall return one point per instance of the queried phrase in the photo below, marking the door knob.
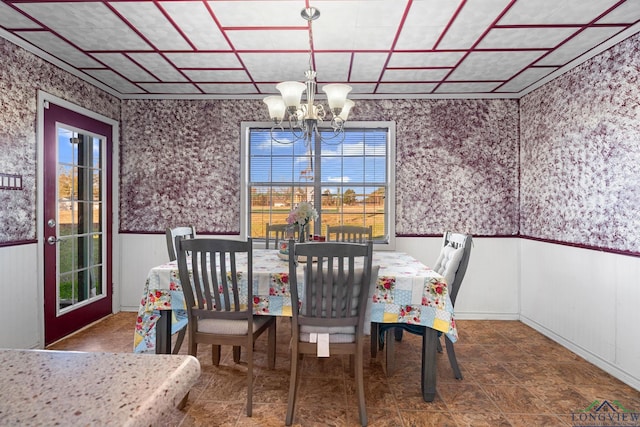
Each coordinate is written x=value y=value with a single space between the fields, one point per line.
x=52 y=240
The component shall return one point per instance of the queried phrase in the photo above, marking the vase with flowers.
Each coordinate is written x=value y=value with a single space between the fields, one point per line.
x=300 y=216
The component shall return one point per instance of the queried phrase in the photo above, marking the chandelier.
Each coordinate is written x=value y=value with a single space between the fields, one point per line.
x=303 y=118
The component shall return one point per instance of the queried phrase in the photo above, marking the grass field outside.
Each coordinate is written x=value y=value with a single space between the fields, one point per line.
x=346 y=215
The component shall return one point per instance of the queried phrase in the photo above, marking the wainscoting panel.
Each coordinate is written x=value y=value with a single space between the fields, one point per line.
x=587 y=300
x=21 y=314
x=139 y=253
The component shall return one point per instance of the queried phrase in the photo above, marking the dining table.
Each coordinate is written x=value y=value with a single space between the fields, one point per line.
x=405 y=291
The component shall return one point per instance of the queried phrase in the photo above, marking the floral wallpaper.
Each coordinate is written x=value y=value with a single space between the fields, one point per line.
x=580 y=137
x=21 y=75
x=562 y=163
x=181 y=163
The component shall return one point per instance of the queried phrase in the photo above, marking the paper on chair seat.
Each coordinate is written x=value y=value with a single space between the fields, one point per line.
x=313 y=337
x=323 y=345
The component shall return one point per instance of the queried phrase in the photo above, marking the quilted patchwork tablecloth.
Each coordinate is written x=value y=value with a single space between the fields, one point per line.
x=406 y=291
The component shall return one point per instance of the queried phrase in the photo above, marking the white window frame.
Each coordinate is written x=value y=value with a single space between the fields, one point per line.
x=390 y=199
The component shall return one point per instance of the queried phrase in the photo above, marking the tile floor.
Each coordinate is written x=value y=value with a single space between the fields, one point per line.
x=513 y=376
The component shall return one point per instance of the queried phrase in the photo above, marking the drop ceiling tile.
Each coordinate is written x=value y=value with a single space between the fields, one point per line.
x=583 y=42
x=525 y=38
x=555 y=12
x=112 y=79
x=359 y=25
x=276 y=67
x=197 y=24
x=153 y=25
x=10 y=18
x=415 y=75
x=204 y=60
x=501 y=65
x=425 y=23
x=362 y=87
x=422 y=38
x=354 y=38
x=269 y=40
x=90 y=26
x=626 y=13
x=217 y=75
x=401 y=88
x=471 y=23
x=171 y=88
x=376 y=13
x=525 y=79
x=162 y=69
x=367 y=67
x=268 y=88
x=258 y=13
x=59 y=48
x=229 y=88
x=424 y=59
x=125 y=67
x=466 y=87
x=333 y=67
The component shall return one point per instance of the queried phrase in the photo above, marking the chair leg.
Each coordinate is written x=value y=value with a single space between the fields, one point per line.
x=249 y=377
x=398 y=333
x=183 y=402
x=452 y=358
x=439 y=348
x=215 y=355
x=375 y=338
x=193 y=346
x=293 y=383
x=359 y=374
x=389 y=353
x=237 y=350
x=181 y=333
x=271 y=346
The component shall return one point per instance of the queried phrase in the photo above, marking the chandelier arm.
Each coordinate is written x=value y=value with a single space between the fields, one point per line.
x=298 y=135
x=336 y=138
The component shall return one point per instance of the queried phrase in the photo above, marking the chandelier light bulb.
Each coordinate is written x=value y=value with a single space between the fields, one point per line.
x=303 y=119
x=291 y=93
x=276 y=107
x=336 y=96
x=344 y=114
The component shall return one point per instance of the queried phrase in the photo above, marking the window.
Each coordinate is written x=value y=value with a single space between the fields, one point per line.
x=348 y=182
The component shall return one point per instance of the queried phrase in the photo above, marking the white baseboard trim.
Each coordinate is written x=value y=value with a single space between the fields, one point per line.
x=601 y=363
x=470 y=315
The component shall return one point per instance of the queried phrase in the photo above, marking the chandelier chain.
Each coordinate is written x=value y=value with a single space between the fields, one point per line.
x=303 y=119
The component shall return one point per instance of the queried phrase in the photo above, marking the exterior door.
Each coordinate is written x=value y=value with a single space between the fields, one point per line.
x=77 y=221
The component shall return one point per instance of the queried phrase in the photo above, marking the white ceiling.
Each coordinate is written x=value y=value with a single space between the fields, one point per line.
x=382 y=48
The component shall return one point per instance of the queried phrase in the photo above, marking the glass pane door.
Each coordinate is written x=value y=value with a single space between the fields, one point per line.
x=79 y=218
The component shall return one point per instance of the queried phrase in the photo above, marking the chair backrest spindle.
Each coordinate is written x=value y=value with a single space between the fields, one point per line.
x=349 y=233
x=174 y=234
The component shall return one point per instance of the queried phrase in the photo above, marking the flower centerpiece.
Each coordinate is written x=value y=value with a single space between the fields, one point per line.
x=300 y=216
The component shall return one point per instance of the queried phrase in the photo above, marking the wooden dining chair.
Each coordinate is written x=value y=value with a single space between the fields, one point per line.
x=349 y=233
x=187 y=232
x=219 y=301
x=330 y=318
x=279 y=232
x=452 y=263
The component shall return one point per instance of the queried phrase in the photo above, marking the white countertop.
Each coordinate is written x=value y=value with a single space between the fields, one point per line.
x=42 y=387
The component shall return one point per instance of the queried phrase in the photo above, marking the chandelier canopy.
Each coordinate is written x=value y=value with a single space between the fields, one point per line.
x=302 y=118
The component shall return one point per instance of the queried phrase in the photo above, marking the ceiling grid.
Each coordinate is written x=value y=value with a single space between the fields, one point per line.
x=382 y=48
